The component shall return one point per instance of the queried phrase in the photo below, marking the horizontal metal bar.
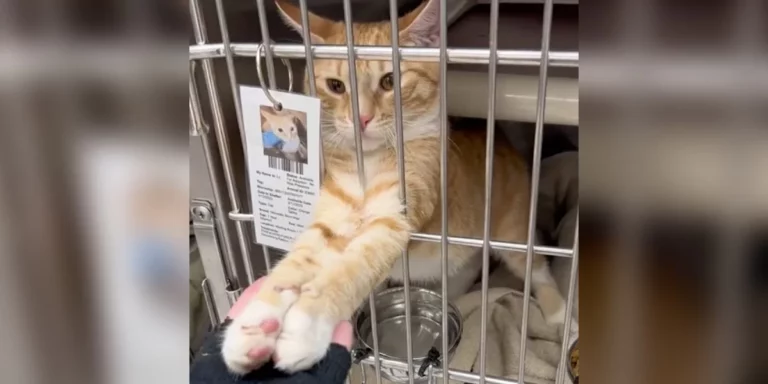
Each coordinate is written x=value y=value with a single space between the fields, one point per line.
x=455 y=240
x=461 y=376
x=455 y=55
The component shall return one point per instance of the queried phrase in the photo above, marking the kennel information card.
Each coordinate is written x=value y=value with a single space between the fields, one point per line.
x=283 y=163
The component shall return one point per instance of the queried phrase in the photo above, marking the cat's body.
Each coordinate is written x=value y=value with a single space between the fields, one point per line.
x=359 y=232
x=466 y=198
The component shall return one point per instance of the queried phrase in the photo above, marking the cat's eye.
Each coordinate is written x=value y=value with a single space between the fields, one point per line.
x=280 y=130
x=386 y=82
x=335 y=85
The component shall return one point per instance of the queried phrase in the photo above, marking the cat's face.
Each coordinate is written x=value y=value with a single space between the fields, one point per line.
x=375 y=83
x=282 y=124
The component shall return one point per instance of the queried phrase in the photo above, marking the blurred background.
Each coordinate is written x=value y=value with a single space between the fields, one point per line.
x=674 y=193
x=94 y=190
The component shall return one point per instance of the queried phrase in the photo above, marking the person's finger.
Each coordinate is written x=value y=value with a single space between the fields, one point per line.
x=342 y=335
x=245 y=297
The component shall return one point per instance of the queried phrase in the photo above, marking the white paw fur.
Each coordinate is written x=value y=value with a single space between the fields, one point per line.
x=238 y=342
x=558 y=319
x=303 y=340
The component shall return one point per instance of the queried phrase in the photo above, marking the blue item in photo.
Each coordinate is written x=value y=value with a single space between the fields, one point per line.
x=270 y=139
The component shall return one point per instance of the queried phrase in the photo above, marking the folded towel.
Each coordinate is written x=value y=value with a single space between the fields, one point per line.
x=505 y=306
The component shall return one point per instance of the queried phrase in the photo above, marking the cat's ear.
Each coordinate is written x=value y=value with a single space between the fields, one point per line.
x=422 y=25
x=319 y=27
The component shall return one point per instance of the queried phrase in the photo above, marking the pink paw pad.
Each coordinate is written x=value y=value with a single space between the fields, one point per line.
x=259 y=354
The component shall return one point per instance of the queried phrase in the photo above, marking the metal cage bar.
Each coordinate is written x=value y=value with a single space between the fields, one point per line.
x=360 y=162
x=490 y=128
x=198 y=26
x=310 y=68
x=541 y=101
x=560 y=378
x=451 y=374
x=265 y=39
x=340 y=52
x=444 y=175
x=395 y=37
x=238 y=110
x=458 y=240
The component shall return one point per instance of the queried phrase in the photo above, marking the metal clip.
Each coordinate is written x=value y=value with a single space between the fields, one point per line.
x=433 y=359
x=358 y=354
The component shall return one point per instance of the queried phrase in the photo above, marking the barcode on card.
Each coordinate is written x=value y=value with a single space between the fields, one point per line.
x=286 y=165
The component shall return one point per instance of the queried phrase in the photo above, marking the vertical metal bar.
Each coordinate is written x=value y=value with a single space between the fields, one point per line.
x=491 y=123
x=197 y=126
x=236 y=98
x=354 y=93
x=213 y=172
x=310 y=70
x=206 y=227
x=267 y=43
x=360 y=161
x=395 y=36
x=444 y=177
x=198 y=25
x=308 y=47
x=209 y=305
x=569 y=305
x=541 y=101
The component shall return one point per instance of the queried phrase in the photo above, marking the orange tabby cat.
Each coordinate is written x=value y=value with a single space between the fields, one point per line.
x=357 y=237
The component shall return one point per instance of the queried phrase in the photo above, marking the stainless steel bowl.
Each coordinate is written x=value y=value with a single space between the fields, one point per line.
x=426 y=328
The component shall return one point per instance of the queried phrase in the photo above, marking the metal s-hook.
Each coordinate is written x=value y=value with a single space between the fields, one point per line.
x=278 y=105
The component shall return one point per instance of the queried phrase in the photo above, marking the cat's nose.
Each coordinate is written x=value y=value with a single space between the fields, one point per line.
x=364 y=120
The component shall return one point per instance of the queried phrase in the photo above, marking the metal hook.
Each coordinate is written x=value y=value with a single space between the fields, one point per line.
x=278 y=105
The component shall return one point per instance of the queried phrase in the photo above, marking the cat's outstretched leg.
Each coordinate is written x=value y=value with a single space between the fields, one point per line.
x=246 y=345
x=338 y=290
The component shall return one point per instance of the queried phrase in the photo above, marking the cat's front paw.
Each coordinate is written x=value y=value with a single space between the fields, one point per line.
x=250 y=339
x=306 y=335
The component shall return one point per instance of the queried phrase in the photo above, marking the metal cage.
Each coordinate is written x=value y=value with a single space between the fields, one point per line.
x=235 y=267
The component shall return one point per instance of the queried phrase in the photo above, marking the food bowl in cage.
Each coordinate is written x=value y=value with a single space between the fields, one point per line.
x=426 y=329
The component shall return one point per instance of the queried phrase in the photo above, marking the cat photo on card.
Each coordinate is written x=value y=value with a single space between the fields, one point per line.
x=284 y=134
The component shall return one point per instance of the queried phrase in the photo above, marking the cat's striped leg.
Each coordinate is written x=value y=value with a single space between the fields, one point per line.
x=338 y=290
x=379 y=234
